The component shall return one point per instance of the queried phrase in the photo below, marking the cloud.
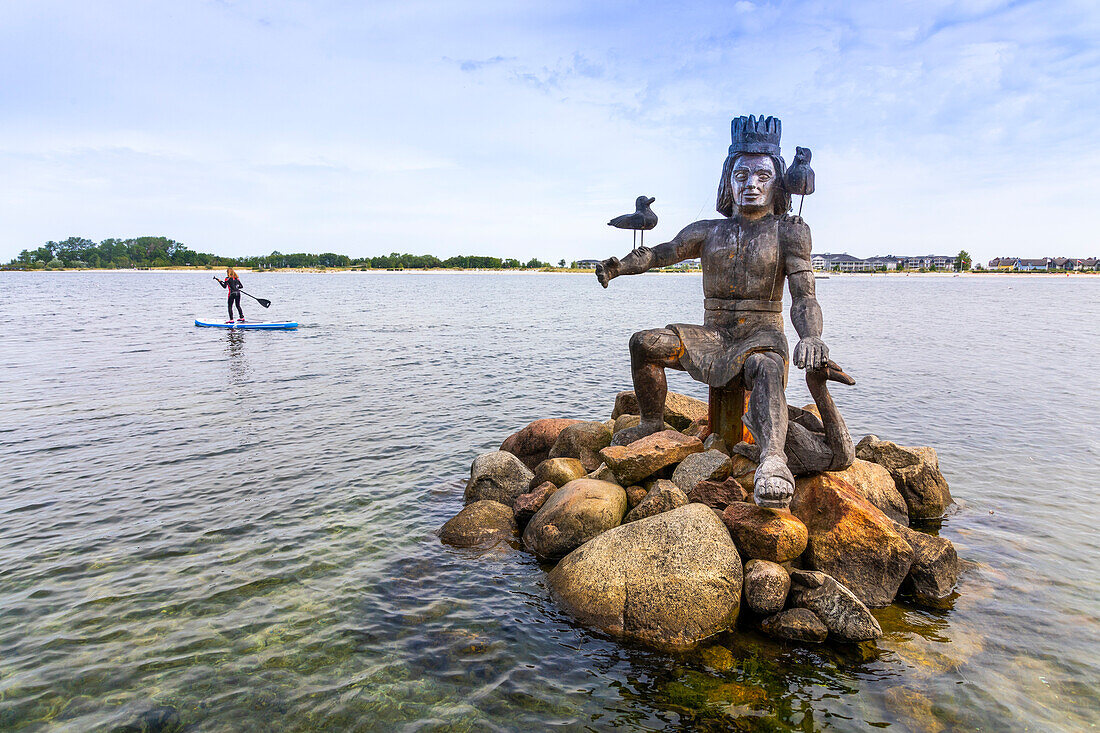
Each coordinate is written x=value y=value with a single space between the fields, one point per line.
x=519 y=129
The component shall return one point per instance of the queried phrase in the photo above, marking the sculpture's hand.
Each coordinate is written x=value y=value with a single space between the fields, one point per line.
x=811 y=353
x=607 y=270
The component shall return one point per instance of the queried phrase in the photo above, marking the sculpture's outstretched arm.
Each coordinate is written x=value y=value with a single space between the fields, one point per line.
x=686 y=245
x=811 y=352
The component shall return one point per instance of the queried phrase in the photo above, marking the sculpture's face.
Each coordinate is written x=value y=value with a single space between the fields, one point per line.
x=753 y=180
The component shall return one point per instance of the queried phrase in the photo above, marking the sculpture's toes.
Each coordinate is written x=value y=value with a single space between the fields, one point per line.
x=629 y=435
x=773 y=484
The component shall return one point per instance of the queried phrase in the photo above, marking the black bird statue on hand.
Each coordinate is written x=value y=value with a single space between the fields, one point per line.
x=800 y=176
x=641 y=220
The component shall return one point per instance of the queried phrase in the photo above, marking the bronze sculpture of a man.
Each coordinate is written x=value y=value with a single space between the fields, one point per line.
x=745 y=258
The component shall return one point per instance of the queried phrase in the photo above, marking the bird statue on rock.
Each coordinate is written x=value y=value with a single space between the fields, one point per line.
x=642 y=220
x=800 y=176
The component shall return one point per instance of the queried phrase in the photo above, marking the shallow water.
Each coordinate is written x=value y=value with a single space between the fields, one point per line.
x=241 y=525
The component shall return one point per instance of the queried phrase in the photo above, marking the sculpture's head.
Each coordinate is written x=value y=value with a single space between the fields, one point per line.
x=643 y=201
x=752 y=178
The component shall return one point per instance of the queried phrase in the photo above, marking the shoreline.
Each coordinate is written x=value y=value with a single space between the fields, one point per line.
x=550 y=271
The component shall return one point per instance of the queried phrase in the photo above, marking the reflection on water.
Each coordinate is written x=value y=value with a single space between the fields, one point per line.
x=243 y=530
x=239 y=369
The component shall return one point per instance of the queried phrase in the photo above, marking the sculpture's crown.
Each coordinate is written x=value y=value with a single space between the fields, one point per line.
x=752 y=135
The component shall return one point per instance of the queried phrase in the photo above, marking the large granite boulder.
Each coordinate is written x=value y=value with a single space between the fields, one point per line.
x=479 y=523
x=664 y=496
x=532 y=444
x=527 y=505
x=582 y=441
x=558 y=471
x=766 y=586
x=718 y=494
x=875 y=484
x=645 y=457
x=497 y=476
x=851 y=540
x=916 y=473
x=680 y=410
x=668 y=580
x=573 y=515
x=935 y=569
x=796 y=624
x=761 y=533
x=838 y=608
x=710 y=465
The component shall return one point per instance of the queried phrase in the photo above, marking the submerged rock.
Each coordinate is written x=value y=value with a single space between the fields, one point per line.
x=582 y=441
x=558 y=471
x=718 y=494
x=643 y=458
x=766 y=586
x=497 y=476
x=159 y=719
x=765 y=534
x=573 y=515
x=668 y=580
x=479 y=523
x=916 y=473
x=796 y=624
x=709 y=465
x=875 y=484
x=935 y=569
x=532 y=444
x=838 y=608
x=662 y=497
x=851 y=540
x=526 y=505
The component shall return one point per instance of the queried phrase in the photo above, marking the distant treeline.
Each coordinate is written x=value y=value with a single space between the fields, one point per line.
x=164 y=252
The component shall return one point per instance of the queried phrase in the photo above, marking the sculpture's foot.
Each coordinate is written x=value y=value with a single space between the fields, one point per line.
x=773 y=484
x=639 y=431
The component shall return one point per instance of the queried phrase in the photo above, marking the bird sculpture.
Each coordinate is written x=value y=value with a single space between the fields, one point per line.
x=641 y=220
x=800 y=176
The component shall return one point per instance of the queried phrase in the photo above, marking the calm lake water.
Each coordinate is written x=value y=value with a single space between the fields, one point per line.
x=241 y=525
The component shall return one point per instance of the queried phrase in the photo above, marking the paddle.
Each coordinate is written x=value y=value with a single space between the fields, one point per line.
x=262 y=301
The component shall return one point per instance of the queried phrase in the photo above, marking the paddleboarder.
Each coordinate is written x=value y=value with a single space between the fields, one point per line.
x=233 y=283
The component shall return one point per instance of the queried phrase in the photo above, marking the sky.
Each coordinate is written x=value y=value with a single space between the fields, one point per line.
x=518 y=129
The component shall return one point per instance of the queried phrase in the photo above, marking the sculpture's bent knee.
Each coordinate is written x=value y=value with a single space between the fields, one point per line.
x=762 y=365
x=655 y=344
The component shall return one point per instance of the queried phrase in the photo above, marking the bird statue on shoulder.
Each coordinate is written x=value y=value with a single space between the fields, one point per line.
x=642 y=220
x=800 y=176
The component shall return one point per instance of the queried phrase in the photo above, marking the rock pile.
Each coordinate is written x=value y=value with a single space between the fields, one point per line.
x=659 y=540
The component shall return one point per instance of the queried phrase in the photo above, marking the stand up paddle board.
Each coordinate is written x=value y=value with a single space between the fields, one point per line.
x=254 y=325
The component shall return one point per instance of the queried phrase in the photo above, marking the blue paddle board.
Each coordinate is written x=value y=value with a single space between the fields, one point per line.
x=253 y=325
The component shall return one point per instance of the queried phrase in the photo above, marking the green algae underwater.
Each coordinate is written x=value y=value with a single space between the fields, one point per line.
x=241 y=527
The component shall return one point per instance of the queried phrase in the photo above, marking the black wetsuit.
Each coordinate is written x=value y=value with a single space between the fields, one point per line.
x=235 y=287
